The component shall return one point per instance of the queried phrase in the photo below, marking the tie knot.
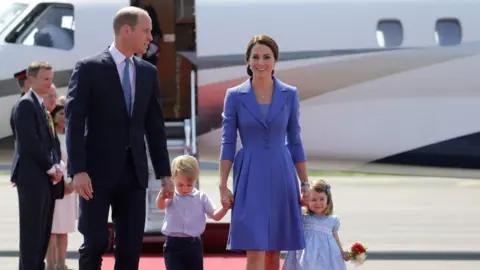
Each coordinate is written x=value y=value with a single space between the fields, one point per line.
x=127 y=61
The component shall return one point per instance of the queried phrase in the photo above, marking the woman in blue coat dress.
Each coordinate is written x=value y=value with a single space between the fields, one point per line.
x=266 y=213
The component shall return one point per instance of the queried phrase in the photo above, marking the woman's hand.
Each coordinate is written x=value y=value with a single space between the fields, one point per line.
x=226 y=196
x=305 y=195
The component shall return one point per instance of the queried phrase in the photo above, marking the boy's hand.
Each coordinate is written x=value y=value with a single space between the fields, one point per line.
x=226 y=203
x=161 y=195
x=161 y=199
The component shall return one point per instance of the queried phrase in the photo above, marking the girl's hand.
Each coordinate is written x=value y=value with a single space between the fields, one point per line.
x=346 y=256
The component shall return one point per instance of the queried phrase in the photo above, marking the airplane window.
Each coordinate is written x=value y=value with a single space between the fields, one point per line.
x=448 y=32
x=9 y=12
x=53 y=28
x=389 y=33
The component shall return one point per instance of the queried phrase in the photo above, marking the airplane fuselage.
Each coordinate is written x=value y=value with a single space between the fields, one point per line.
x=386 y=86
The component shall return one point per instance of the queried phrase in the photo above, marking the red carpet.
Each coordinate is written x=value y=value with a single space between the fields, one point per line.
x=211 y=262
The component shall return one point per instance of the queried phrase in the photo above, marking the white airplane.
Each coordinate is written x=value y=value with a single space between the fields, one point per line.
x=382 y=82
x=385 y=86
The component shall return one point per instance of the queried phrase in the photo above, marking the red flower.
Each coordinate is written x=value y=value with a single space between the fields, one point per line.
x=357 y=248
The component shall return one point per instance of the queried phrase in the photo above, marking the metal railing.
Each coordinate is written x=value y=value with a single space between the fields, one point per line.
x=189 y=143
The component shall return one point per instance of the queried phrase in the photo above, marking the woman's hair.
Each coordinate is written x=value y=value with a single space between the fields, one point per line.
x=187 y=166
x=55 y=110
x=263 y=40
x=321 y=186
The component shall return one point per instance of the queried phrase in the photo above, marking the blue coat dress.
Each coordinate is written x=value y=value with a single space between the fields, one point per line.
x=266 y=214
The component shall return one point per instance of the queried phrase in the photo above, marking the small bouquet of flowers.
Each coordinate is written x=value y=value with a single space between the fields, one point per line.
x=357 y=253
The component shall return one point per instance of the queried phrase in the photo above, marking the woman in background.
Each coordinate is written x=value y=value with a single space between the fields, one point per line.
x=65 y=214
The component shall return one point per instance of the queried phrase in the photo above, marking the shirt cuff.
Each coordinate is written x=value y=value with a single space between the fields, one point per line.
x=52 y=170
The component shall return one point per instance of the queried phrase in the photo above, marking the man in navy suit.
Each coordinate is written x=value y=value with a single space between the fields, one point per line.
x=112 y=103
x=35 y=168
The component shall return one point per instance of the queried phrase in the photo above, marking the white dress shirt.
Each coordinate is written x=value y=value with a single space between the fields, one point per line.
x=119 y=59
x=39 y=98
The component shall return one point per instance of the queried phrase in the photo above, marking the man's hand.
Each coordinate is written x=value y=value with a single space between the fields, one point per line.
x=83 y=185
x=56 y=176
x=167 y=187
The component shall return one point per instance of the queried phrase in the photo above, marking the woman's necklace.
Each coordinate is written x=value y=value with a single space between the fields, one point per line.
x=262 y=94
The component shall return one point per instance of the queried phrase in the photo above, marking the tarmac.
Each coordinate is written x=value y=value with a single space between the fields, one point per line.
x=406 y=222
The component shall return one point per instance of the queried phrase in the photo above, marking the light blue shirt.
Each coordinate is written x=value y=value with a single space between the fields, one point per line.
x=185 y=214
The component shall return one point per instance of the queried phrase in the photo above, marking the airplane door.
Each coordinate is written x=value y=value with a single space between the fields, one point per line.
x=177 y=23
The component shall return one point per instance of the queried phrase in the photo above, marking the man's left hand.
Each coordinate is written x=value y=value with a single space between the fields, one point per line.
x=167 y=187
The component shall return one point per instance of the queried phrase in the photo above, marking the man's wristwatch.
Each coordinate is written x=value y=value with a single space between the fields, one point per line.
x=305 y=183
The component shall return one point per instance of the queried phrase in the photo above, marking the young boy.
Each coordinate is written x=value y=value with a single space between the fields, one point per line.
x=185 y=216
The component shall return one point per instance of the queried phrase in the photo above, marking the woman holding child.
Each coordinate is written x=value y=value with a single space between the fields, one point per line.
x=266 y=212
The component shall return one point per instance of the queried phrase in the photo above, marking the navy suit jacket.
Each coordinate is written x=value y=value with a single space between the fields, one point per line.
x=99 y=131
x=36 y=147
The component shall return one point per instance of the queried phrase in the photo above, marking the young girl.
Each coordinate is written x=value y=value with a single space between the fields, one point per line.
x=65 y=214
x=323 y=249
